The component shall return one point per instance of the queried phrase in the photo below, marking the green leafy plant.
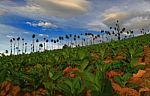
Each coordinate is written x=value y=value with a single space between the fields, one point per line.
x=71 y=86
x=122 y=80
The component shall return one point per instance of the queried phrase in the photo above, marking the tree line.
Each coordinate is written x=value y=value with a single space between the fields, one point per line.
x=116 y=32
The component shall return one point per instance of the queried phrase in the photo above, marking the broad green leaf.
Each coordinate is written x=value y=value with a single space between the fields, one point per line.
x=50 y=74
x=118 y=80
x=57 y=76
x=84 y=64
x=126 y=76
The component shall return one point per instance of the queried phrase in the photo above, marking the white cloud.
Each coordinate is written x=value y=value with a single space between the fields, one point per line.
x=26 y=32
x=62 y=8
x=42 y=24
x=96 y=26
x=9 y=36
x=43 y=35
x=48 y=8
x=133 y=14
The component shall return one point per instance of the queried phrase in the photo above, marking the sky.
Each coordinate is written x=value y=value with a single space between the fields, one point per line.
x=53 y=18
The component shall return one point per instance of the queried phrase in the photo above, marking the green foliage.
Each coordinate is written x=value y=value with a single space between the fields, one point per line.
x=30 y=71
x=71 y=86
x=122 y=80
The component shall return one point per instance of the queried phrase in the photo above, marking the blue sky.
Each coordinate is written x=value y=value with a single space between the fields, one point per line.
x=52 y=18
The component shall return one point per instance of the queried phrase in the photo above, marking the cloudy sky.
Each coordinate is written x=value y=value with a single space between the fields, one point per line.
x=52 y=18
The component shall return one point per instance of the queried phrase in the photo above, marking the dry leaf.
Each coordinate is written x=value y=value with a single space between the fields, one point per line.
x=15 y=90
x=116 y=87
x=128 y=92
x=112 y=73
x=139 y=74
x=144 y=89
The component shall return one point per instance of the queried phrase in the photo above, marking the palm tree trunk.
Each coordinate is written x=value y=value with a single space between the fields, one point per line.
x=22 y=46
x=14 y=47
x=18 y=48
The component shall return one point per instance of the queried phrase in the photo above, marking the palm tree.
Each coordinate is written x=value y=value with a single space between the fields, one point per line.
x=75 y=41
x=40 y=46
x=6 y=51
x=67 y=37
x=132 y=33
x=31 y=47
x=14 y=40
x=78 y=38
x=57 y=41
x=60 y=39
x=11 y=46
x=37 y=41
x=22 y=45
x=52 y=43
x=44 y=43
x=18 y=39
x=33 y=36
x=70 y=35
x=47 y=44
x=25 y=47
x=119 y=30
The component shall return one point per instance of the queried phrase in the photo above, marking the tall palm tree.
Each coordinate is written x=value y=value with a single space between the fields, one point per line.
x=31 y=48
x=40 y=47
x=14 y=41
x=132 y=33
x=75 y=41
x=60 y=39
x=44 y=43
x=33 y=36
x=25 y=47
x=119 y=30
x=57 y=41
x=22 y=45
x=52 y=41
x=67 y=37
x=70 y=35
x=11 y=46
x=47 y=44
x=78 y=39
x=37 y=44
x=18 y=39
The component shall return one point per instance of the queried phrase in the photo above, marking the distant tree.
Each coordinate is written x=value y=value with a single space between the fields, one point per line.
x=55 y=44
x=75 y=41
x=70 y=36
x=37 y=44
x=6 y=51
x=44 y=43
x=118 y=29
x=40 y=46
x=57 y=41
x=33 y=36
x=18 y=39
x=22 y=45
x=14 y=41
x=47 y=44
x=25 y=47
x=52 y=41
x=11 y=46
x=31 y=47
x=67 y=37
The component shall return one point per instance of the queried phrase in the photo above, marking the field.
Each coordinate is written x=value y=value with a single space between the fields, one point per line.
x=117 y=68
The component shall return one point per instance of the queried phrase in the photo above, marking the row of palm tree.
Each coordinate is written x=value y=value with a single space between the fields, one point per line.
x=71 y=40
